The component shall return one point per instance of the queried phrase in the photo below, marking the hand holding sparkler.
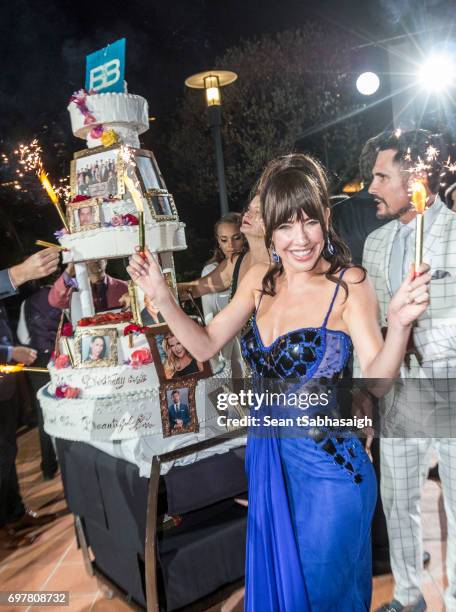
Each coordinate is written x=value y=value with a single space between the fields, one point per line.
x=411 y=299
x=146 y=273
x=38 y=265
x=24 y=354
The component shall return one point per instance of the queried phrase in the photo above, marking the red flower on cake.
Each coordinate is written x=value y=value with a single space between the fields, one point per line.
x=106 y=317
x=67 y=392
x=79 y=198
x=130 y=219
x=62 y=361
x=67 y=329
x=140 y=357
x=72 y=392
x=133 y=328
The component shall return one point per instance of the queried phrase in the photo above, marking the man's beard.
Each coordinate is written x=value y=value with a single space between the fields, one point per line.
x=391 y=216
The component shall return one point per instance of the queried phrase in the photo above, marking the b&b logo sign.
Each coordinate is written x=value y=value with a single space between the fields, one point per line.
x=105 y=69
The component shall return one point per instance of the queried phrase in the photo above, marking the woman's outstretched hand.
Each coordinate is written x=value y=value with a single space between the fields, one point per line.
x=146 y=273
x=411 y=299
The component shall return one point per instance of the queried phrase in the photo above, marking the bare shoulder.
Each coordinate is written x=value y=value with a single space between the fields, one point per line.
x=360 y=288
x=253 y=278
x=355 y=276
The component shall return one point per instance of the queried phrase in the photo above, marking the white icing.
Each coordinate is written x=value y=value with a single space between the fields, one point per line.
x=121 y=380
x=131 y=415
x=126 y=114
x=112 y=242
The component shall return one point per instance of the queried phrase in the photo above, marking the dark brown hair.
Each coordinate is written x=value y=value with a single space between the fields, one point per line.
x=412 y=147
x=233 y=218
x=291 y=187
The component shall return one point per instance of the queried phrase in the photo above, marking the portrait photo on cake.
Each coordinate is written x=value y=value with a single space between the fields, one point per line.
x=161 y=204
x=178 y=409
x=172 y=360
x=96 y=348
x=84 y=215
x=95 y=173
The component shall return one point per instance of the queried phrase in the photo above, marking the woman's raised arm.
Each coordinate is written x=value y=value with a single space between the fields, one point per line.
x=214 y=282
x=202 y=342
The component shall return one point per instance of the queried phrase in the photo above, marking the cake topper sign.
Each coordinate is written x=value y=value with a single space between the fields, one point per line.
x=105 y=69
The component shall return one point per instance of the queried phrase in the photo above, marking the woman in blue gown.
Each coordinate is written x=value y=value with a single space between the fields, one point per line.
x=312 y=488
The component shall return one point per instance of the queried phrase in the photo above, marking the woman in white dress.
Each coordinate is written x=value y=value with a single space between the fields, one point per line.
x=229 y=243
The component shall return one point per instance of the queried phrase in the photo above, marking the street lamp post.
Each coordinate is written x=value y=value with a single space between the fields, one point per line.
x=211 y=81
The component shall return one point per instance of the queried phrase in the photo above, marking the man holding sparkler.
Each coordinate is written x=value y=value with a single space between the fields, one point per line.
x=421 y=409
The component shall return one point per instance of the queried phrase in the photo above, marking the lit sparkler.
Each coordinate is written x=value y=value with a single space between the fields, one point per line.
x=19 y=367
x=419 y=202
x=30 y=160
x=139 y=203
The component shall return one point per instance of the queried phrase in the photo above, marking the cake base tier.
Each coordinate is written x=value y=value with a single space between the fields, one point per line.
x=112 y=242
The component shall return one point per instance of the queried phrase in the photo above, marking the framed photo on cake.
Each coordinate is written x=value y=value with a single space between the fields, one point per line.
x=83 y=216
x=161 y=205
x=148 y=172
x=178 y=408
x=97 y=173
x=96 y=347
x=147 y=314
x=115 y=213
x=172 y=360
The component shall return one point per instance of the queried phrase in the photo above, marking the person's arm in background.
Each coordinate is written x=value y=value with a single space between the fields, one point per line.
x=218 y=280
x=60 y=293
x=19 y=354
x=38 y=265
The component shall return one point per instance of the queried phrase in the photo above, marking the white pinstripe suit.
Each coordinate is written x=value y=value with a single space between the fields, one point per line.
x=423 y=411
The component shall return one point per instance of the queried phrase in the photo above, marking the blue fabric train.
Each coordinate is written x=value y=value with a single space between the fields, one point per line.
x=311 y=493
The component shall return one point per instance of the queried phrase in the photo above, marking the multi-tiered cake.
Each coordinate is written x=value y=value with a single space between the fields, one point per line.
x=116 y=373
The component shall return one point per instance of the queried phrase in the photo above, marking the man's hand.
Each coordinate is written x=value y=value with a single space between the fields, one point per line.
x=125 y=301
x=70 y=270
x=23 y=354
x=39 y=265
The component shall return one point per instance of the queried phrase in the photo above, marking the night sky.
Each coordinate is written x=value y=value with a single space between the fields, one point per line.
x=43 y=44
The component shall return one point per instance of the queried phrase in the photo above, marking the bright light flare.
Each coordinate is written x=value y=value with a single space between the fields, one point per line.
x=438 y=72
x=367 y=83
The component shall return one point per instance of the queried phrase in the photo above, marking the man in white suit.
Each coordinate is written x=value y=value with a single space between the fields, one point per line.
x=421 y=408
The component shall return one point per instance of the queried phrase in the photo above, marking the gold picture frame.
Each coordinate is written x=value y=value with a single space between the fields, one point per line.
x=74 y=210
x=173 y=362
x=84 y=161
x=86 y=351
x=171 y=423
x=161 y=205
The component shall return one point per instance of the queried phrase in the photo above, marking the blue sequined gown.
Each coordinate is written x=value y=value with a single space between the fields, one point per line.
x=312 y=492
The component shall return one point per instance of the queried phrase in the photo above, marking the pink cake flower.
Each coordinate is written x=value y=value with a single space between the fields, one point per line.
x=62 y=361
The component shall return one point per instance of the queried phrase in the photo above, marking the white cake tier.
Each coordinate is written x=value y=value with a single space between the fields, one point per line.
x=111 y=242
x=123 y=416
x=126 y=114
x=120 y=381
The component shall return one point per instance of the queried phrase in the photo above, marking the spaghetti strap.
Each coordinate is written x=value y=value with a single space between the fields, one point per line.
x=259 y=302
x=336 y=291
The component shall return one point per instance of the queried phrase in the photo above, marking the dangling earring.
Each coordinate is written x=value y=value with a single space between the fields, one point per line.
x=330 y=247
x=275 y=257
